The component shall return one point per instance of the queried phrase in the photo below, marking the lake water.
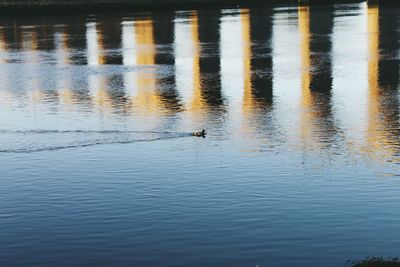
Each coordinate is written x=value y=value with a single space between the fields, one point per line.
x=300 y=166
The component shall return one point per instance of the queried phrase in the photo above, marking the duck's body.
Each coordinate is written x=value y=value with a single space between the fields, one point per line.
x=200 y=133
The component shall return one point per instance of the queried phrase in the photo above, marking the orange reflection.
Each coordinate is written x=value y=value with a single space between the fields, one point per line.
x=95 y=51
x=3 y=47
x=146 y=99
x=145 y=42
x=197 y=102
x=30 y=44
x=94 y=40
x=306 y=96
x=304 y=27
x=30 y=40
x=248 y=103
x=373 y=73
x=65 y=93
x=63 y=50
x=378 y=130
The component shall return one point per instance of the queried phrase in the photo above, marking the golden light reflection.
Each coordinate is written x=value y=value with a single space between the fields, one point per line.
x=304 y=27
x=95 y=51
x=378 y=141
x=145 y=42
x=248 y=102
x=6 y=98
x=373 y=73
x=98 y=91
x=94 y=40
x=306 y=123
x=197 y=102
x=3 y=47
x=30 y=44
x=36 y=95
x=65 y=93
x=146 y=99
x=62 y=48
x=29 y=40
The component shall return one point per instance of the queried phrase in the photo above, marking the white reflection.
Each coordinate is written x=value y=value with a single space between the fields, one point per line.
x=96 y=83
x=94 y=57
x=232 y=49
x=63 y=81
x=185 y=52
x=350 y=72
x=128 y=43
x=129 y=56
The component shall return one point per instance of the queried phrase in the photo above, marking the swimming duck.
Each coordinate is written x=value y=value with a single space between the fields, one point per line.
x=200 y=133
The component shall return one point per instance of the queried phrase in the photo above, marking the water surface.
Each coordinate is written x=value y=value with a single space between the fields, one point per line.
x=300 y=166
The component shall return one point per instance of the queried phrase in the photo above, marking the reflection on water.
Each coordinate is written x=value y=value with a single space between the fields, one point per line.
x=383 y=81
x=313 y=87
x=316 y=93
x=207 y=62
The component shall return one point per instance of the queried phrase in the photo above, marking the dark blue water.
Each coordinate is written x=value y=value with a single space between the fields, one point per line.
x=300 y=166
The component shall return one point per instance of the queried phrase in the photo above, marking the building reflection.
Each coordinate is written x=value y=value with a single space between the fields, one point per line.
x=95 y=57
x=147 y=44
x=197 y=42
x=75 y=30
x=145 y=99
x=3 y=47
x=63 y=57
x=208 y=29
x=11 y=32
x=136 y=65
x=257 y=72
x=257 y=59
x=197 y=102
x=383 y=81
x=317 y=122
x=110 y=33
x=164 y=39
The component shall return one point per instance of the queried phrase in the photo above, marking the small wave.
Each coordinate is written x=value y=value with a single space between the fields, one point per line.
x=83 y=132
x=116 y=137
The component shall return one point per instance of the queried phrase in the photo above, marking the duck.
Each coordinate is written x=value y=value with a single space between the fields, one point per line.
x=200 y=133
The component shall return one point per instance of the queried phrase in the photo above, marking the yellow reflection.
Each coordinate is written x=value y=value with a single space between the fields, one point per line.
x=248 y=102
x=4 y=95
x=3 y=47
x=377 y=140
x=37 y=95
x=30 y=44
x=62 y=48
x=306 y=96
x=6 y=98
x=98 y=91
x=65 y=93
x=95 y=54
x=145 y=42
x=146 y=99
x=94 y=40
x=373 y=73
x=304 y=27
x=29 y=40
x=197 y=102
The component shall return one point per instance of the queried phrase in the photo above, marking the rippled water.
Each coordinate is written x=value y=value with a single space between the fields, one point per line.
x=300 y=166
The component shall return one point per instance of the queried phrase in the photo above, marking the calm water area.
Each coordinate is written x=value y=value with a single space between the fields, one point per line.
x=300 y=166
